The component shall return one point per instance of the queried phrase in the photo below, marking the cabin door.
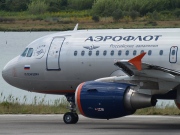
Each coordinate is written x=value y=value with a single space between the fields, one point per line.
x=173 y=54
x=53 y=56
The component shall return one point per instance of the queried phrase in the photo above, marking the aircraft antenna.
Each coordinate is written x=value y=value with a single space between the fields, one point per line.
x=76 y=27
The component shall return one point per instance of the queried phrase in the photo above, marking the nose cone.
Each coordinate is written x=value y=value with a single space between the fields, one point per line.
x=9 y=71
x=4 y=74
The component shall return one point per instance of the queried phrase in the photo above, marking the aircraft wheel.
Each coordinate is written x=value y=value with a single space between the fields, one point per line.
x=70 y=118
x=76 y=118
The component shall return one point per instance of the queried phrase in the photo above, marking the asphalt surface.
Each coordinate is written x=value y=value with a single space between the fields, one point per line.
x=54 y=125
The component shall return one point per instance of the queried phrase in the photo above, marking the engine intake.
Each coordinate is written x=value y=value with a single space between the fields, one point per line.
x=106 y=100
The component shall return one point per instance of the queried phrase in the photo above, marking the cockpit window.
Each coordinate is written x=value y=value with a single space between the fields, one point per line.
x=24 y=53
x=30 y=52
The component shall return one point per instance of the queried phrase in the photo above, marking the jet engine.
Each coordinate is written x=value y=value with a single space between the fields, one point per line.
x=106 y=100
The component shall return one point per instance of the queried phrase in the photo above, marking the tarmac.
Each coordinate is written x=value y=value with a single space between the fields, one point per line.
x=54 y=125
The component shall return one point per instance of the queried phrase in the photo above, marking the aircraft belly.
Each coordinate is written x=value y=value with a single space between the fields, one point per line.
x=46 y=86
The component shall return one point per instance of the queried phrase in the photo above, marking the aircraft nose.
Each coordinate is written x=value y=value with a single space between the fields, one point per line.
x=4 y=75
x=9 y=71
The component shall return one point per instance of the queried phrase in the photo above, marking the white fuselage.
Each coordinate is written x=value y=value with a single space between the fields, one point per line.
x=61 y=61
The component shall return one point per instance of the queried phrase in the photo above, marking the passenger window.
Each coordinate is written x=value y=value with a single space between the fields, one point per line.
x=97 y=53
x=24 y=53
x=30 y=52
x=75 y=53
x=134 y=52
x=82 y=53
x=142 y=51
x=173 y=52
x=161 y=52
x=127 y=52
x=112 y=53
x=119 y=52
x=104 y=53
x=149 y=52
x=90 y=53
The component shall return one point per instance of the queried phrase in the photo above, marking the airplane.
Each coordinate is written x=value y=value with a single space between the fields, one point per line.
x=103 y=73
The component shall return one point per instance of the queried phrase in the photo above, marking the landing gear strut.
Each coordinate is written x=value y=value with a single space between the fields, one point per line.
x=71 y=117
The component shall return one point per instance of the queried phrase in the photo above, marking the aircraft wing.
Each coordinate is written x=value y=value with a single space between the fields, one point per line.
x=138 y=68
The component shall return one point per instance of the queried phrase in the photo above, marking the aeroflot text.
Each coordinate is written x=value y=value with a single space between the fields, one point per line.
x=126 y=38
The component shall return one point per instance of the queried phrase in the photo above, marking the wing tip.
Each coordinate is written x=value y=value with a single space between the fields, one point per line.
x=136 y=61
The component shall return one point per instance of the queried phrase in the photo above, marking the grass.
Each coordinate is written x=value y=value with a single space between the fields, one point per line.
x=12 y=105
x=62 y=21
x=16 y=108
x=37 y=25
x=167 y=110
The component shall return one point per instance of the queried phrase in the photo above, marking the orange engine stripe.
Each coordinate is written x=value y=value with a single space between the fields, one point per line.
x=79 y=98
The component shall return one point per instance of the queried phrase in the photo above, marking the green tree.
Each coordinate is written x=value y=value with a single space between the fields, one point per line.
x=3 y=4
x=177 y=12
x=117 y=15
x=14 y=5
x=57 y=5
x=153 y=16
x=37 y=7
x=173 y=4
x=104 y=7
x=134 y=14
x=80 y=4
x=95 y=18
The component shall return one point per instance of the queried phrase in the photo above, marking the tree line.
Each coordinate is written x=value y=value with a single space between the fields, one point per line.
x=97 y=7
x=52 y=5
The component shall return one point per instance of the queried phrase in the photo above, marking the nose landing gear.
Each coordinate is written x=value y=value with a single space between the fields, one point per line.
x=71 y=117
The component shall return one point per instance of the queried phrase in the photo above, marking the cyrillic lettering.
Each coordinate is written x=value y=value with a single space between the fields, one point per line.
x=107 y=38
x=148 y=38
x=128 y=38
x=138 y=38
x=157 y=37
x=117 y=38
x=89 y=38
x=98 y=38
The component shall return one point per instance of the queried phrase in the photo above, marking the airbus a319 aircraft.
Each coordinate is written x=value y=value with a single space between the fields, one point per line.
x=105 y=73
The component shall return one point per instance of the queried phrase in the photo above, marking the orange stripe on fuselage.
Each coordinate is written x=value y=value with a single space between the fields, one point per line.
x=79 y=98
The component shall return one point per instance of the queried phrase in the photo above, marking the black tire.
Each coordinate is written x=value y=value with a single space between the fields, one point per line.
x=70 y=118
x=76 y=118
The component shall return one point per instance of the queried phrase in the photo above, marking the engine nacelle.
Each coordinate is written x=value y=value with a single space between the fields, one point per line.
x=177 y=100
x=106 y=100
